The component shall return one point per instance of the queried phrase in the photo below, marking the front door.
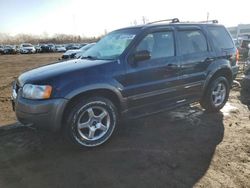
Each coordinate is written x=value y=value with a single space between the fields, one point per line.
x=150 y=84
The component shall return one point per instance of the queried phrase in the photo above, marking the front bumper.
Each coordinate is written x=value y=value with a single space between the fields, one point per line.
x=27 y=51
x=43 y=114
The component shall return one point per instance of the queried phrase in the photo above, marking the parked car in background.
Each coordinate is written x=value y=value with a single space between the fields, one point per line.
x=27 y=48
x=52 y=47
x=60 y=48
x=9 y=49
x=72 y=46
x=130 y=73
x=38 y=48
x=84 y=49
x=70 y=54
x=245 y=84
x=45 y=48
x=1 y=49
x=244 y=48
x=17 y=48
x=248 y=50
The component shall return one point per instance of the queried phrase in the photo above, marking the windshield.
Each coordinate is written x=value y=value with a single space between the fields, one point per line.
x=112 y=45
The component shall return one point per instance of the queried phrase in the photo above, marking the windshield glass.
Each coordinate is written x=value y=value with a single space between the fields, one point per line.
x=112 y=45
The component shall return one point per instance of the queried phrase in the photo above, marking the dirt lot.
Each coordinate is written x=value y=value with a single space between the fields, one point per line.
x=183 y=148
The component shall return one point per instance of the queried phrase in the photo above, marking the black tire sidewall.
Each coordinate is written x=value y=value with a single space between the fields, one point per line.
x=71 y=126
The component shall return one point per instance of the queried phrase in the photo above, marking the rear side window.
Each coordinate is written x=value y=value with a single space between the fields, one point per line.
x=192 y=41
x=220 y=37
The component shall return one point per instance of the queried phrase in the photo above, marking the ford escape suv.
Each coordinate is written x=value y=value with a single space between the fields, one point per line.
x=130 y=73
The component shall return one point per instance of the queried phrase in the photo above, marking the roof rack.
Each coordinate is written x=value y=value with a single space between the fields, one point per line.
x=174 y=20
x=209 y=21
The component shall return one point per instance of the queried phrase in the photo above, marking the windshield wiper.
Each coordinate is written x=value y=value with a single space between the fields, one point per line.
x=88 y=57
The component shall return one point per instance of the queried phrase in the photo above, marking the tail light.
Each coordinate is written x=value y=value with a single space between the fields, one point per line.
x=237 y=56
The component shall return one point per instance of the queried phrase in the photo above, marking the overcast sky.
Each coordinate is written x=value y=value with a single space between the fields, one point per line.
x=92 y=17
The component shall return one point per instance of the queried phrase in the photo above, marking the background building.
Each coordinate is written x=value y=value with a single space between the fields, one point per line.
x=240 y=31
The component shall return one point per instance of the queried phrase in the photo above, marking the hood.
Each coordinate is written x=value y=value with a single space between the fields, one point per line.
x=48 y=72
x=69 y=52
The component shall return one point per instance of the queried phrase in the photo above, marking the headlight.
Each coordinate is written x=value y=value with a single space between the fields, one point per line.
x=31 y=91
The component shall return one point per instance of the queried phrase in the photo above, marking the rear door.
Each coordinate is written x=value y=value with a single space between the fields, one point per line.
x=195 y=57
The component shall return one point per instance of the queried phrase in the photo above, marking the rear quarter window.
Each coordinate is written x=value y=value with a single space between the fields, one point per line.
x=220 y=37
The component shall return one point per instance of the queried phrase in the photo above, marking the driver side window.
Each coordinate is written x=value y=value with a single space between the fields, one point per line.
x=159 y=44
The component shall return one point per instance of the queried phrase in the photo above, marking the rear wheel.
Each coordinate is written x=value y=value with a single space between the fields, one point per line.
x=216 y=94
x=91 y=123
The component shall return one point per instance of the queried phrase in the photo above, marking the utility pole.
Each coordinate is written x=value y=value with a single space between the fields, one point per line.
x=144 y=20
x=135 y=22
x=207 y=16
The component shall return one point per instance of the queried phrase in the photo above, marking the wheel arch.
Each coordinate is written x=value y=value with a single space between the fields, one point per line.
x=223 y=71
x=108 y=92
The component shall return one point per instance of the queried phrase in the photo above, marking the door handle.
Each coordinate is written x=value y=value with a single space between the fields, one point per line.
x=209 y=59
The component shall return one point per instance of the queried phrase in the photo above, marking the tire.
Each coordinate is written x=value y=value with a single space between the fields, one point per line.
x=216 y=94
x=91 y=123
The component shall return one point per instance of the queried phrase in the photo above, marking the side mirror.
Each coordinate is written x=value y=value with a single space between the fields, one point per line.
x=248 y=45
x=141 y=56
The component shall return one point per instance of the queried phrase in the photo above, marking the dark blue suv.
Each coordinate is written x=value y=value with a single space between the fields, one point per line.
x=130 y=73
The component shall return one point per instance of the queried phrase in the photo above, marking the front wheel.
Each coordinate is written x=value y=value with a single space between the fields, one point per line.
x=216 y=94
x=91 y=123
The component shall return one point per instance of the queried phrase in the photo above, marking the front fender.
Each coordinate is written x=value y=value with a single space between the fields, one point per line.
x=93 y=87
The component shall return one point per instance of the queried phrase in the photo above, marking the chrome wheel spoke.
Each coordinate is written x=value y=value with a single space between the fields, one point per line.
x=91 y=113
x=102 y=115
x=219 y=87
x=83 y=125
x=217 y=100
x=102 y=127
x=214 y=93
x=91 y=133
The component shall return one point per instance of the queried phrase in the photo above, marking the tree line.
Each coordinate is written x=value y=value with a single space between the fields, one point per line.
x=39 y=39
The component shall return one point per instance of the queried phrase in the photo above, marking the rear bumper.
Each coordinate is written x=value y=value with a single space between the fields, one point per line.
x=43 y=114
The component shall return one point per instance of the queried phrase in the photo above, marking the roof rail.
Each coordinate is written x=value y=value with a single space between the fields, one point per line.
x=209 y=21
x=174 y=20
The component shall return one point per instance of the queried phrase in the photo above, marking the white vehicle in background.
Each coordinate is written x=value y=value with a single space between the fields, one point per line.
x=84 y=49
x=60 y=48
x=71 y=54
x=27 y=48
